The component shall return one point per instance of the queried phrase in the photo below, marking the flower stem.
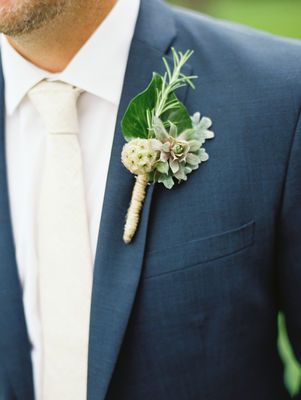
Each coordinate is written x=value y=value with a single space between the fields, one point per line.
x=134 y=211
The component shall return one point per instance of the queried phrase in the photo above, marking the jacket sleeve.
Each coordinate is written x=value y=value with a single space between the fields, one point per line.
x=289 y=244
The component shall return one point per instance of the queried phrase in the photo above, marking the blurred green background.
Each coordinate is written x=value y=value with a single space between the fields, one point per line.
x=281 y=17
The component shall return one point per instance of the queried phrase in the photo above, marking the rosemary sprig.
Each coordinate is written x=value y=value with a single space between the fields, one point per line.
x=172 y=80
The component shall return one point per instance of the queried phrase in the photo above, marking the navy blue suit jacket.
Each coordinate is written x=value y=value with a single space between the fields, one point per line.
x=188 y=311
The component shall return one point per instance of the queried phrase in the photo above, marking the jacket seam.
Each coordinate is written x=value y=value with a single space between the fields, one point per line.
x=287 y=167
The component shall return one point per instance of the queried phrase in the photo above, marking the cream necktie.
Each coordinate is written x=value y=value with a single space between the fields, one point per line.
x=65 y=261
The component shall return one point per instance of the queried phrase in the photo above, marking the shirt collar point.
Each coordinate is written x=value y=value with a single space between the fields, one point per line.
x=11 y=107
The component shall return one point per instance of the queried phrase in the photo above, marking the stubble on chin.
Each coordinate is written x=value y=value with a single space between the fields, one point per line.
x=22 y=17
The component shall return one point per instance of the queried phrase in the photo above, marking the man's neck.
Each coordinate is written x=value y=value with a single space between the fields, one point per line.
x=53 y=46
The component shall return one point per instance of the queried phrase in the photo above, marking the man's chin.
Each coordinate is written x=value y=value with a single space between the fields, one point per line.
x=19 y=17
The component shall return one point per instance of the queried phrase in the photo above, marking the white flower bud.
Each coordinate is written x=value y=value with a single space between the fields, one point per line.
x=139 y=157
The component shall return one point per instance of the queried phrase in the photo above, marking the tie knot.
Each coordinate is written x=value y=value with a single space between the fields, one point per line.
x=56 y=101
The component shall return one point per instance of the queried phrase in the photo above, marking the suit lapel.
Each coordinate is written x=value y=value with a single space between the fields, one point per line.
x=14 y=342
x=118 y=266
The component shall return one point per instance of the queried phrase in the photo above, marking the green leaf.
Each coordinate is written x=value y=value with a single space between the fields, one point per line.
x=174 y=166
x=292 y=368
x=173 y=131
x=194 y=145
x=167 y=181
x=134 y=122
x=193 y=159
x=159 y=130
x=163 y=167
x=179 y=116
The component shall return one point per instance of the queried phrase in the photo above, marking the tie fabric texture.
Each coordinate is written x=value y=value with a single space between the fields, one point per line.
x=64 y=254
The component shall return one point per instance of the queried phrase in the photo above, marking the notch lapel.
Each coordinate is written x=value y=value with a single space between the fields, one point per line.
x=14 y=341
x=118 y=266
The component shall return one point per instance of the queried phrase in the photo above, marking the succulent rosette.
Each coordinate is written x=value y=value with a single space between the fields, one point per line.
x=164 y=143
x=179 y=154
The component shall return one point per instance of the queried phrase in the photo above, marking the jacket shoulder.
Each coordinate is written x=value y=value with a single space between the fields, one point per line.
x=269 y=56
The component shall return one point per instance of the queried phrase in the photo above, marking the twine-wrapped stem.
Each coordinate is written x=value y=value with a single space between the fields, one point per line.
x=133 y=214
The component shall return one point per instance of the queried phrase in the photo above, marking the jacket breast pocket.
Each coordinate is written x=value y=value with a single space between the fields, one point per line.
x=199 y=251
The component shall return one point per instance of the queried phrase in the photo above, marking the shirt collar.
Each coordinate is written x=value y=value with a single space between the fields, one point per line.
x=98 y=67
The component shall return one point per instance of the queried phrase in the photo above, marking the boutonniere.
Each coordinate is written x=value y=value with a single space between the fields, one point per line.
x=164 y=143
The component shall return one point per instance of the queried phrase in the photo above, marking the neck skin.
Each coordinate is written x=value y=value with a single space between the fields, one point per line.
x=52 y=46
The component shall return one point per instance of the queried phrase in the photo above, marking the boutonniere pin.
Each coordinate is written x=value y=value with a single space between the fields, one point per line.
x=164 y=143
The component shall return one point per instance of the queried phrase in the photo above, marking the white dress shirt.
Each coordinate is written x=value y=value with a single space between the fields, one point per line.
x=98 y=68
